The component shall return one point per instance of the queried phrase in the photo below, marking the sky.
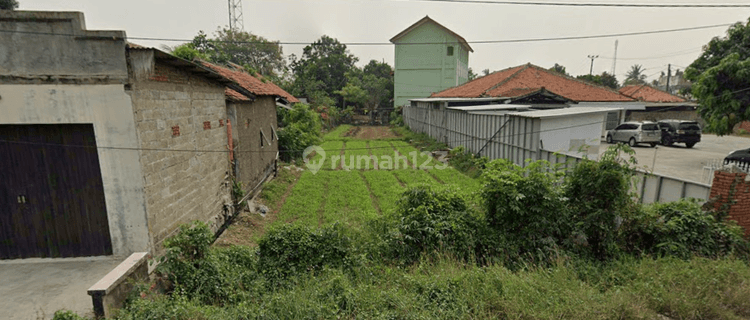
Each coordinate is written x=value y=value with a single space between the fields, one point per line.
x=379 y=20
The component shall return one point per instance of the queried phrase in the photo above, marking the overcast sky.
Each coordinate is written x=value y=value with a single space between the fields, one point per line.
x=379 y=20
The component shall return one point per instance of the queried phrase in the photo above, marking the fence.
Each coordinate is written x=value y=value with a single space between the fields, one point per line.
x=501 y=136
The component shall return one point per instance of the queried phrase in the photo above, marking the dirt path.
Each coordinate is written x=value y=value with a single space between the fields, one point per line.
x=248 y=227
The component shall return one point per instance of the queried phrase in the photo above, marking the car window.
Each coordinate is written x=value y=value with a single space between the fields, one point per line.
x=689 y=126
x=650 y=126
x=622 y=127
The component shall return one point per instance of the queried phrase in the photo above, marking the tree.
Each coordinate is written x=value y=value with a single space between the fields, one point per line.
x=605 y=79
x=472 y=75
x=635 y=75
x=8 y=4
x=559 y=69
x=486 y=72
x=366 y=89
x=720 y=80
x=253 y=52
x=384 y=71
x=327 y=61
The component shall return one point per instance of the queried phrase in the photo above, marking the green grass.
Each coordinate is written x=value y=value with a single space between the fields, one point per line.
x=357 y=156
x=417 y=159
x=306 y=199
x=337 y=133
x=385 y=188
x=348 y=200
x=414 y=177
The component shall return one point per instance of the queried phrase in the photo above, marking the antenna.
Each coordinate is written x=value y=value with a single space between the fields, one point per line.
x=235 y=15
x=614 y=61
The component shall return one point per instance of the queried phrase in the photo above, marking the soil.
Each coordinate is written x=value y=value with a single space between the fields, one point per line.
x=248 y=226
x=374 y=132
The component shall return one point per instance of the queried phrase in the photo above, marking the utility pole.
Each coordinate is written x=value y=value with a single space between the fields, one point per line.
x=669 y=75
x=614 y=61
x=592 y=57
x=235 y=16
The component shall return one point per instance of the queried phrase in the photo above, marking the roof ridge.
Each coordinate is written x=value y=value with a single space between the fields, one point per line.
x=582 y=81
x=507 y=78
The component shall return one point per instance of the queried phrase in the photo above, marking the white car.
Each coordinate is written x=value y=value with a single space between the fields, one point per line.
x=634 y=133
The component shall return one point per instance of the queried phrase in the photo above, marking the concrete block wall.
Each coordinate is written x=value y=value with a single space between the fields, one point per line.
x=736 y=186
x=176 y=110
x=253 y=159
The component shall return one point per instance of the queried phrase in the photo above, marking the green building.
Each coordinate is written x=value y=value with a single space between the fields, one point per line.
x=429 y=58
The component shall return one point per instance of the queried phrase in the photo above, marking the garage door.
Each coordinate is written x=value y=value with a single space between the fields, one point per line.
x=51 y=194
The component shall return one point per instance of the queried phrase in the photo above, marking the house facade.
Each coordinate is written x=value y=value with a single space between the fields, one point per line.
x=428 y=58
x=105 y=147
x=253 y=124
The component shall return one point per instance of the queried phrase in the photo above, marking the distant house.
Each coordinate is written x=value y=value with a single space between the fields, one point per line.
x=658 y=104
x=107 y=147
x=429 y=58
x=255 y=142
x=539 y=88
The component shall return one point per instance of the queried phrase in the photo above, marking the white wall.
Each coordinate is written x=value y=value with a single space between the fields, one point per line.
x=567 y=134
x=109 y=109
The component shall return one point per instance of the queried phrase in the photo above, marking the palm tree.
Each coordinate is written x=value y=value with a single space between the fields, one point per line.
x=635 y=75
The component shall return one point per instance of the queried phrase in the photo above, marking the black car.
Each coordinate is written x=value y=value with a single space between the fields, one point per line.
x=741 y=158
x=680 y=131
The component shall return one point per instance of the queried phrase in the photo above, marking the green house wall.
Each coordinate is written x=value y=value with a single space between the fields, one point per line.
x=421 y=69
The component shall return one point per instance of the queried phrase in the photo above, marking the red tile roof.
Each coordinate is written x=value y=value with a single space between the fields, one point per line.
x=250 y=83
x=649 y=94
x=521 y=80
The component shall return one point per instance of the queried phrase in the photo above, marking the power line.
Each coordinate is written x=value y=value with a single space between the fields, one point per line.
x=590 y=4
x=599 y=36
x=667 y=55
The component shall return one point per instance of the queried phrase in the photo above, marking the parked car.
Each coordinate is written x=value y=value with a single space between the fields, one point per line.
x=680 y=131
x=635 y=132
x=740 y=157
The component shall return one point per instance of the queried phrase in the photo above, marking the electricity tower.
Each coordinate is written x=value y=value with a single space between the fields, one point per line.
x=235 y=15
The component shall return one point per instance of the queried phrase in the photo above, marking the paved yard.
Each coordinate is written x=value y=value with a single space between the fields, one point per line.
x=36 y=288
x=680 y=162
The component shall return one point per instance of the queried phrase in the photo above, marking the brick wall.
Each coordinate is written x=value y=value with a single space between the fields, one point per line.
x=177 y=110
x=745 y=125
x=255 y=160
x=737 y=186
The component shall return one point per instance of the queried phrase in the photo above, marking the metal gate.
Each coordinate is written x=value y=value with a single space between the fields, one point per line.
x=51 y=193
x=613 y=120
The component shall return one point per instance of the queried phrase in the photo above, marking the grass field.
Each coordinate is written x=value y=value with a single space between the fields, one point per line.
x=366 y=181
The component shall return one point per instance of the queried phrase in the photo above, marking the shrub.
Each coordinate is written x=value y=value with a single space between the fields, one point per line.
x=293 y=249
x=427 y=221
x=189 y=266
x=599 y=192
x=527 y=207
x=681 y=229
x=299 y=128
x=66 y=315
x=467 y=162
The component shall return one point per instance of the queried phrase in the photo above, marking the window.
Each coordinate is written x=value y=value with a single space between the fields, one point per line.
x=450 y=50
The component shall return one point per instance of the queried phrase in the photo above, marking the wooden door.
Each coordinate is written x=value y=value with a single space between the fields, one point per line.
x=52 y=197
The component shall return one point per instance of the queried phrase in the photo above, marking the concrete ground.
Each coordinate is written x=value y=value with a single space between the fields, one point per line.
x=36 y=288
x=680 y=162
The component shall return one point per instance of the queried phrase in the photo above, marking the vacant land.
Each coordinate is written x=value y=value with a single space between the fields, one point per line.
x=365 y=181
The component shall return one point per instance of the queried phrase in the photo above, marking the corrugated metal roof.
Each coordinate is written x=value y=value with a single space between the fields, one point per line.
x=492 y=107
x=566 y=112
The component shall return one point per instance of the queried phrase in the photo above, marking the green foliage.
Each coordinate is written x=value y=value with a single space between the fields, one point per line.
x=428 y=221
x=244 y=49
x=681 y=229
x=598 y=192
x=559 y=69
x=66 y=315
x=188 y=52
x=238 y=191
x=321 y=71
x=605 y=80
x=294 y=250
x=189 y=266
x=8 y=4
x=723 y=93
x=467 y=162
x=299 y=128
x=527 y=206
x=635 y=75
